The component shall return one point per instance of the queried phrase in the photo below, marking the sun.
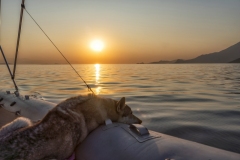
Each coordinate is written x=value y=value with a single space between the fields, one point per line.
x=97 y=45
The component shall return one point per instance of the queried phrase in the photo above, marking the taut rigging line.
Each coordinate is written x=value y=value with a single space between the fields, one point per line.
x=89 y=88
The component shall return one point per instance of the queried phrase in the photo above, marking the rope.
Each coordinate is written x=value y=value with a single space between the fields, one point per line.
x=18 y=39
x=89 y=88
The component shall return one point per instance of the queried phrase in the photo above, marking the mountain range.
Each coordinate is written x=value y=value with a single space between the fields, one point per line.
x=235 y=61
x=228 y=55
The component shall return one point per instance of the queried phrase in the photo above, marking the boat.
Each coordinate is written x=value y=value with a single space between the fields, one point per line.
x=13 y=106
x=116 y=141
x=111 y=141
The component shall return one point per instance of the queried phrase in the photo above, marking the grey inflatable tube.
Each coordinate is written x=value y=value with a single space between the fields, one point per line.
x=123 y=142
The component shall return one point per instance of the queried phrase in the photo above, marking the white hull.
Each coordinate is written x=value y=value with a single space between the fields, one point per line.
x=32 y=108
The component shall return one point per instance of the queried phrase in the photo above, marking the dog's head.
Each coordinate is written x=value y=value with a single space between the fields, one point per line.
x=122 y=113
x=103 y=109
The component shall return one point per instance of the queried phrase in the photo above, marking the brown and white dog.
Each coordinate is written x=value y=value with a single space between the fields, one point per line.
x=62 y=129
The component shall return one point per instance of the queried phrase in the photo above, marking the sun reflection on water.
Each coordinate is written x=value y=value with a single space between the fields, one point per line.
x=97 y=73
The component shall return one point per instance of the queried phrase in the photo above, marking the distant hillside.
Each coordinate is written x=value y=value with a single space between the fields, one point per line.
x=235 y=61
x=227 y=55
x=163 y=62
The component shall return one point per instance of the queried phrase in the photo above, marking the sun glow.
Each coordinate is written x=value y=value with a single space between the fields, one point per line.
x=97 y=45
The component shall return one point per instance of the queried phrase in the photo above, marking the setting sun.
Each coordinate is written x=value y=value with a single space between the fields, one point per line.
x=97 y=45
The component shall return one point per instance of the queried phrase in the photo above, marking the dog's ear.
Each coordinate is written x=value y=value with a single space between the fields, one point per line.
x=121 y=104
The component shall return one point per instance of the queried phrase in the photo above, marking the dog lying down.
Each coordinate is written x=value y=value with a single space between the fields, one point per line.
x=62 y=129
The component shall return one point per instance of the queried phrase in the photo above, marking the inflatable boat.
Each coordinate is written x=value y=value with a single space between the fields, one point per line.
x=115 y=141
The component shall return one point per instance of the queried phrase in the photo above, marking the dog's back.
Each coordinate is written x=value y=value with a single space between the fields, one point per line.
x=53 y=138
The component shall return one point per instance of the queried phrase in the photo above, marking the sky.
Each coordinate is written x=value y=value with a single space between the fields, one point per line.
x=132 y=30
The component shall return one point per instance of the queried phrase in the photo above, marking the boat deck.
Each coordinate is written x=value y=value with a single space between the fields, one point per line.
x=6 y=116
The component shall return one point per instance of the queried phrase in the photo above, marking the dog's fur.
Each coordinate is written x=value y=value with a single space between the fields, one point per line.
x=15 y=125
x=62 y=129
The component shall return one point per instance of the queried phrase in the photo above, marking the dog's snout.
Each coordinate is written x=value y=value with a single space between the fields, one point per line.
x=137 y=120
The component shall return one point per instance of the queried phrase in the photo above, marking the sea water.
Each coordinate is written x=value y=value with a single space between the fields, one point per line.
x=197 y=102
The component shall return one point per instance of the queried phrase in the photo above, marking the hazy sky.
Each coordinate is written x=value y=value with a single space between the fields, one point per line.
x=132 y=30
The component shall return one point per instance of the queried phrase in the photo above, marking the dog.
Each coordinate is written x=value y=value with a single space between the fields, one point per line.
x=62 y=129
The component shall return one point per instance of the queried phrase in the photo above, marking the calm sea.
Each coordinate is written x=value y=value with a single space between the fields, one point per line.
x=198 y=102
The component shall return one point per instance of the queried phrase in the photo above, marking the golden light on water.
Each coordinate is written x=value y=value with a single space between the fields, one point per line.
x=97 y=74
x=98 y=89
